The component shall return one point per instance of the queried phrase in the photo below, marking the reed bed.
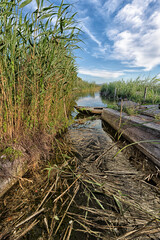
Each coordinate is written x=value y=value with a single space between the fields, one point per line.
x=37 y=67
x=87 y=87
x=147 y=90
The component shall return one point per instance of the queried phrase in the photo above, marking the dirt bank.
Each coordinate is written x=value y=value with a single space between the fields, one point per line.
x=17 y=159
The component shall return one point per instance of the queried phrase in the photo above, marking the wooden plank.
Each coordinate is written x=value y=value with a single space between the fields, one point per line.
x=136 y=129
x=89 y=110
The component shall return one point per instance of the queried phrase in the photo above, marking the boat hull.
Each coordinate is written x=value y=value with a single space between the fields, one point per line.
x=137 y=129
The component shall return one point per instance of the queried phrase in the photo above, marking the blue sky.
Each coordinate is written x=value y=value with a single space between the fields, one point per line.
x=121 y=39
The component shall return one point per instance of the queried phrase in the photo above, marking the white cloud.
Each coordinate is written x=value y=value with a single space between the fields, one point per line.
x=139 y=50
x=112 y=5
x=100 y=73
x=84 y=25
x=136 y=35
x=130 y=71
x=130 y=15
x=112 y=33
x=105 y=8
x=155 y=19
x=101 y=51
x=85 y=29
x=82 y=12
x=143 y=4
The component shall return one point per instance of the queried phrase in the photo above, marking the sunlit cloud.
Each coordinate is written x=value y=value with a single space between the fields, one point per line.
x=140 y=47
x=91 y=36
x=100 y=73
x=84 y=25
x=112 y=6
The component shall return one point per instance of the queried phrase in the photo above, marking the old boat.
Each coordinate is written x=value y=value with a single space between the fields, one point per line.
x=142 y=131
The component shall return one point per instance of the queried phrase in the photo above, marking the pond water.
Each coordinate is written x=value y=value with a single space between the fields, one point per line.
x=92 y=100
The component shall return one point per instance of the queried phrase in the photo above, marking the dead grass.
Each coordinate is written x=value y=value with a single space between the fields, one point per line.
x=81 y=198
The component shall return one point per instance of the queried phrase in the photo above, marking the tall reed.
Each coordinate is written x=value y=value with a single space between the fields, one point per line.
x=134 y=89
x=37 y=66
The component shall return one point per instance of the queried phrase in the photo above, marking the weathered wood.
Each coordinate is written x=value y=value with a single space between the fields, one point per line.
x=115 y=94
x=145 y=93
x=89 y=110
x=137 y=129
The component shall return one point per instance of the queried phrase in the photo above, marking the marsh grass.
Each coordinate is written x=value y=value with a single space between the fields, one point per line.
x=37 y=67
x=134 y=90
x=87 y=87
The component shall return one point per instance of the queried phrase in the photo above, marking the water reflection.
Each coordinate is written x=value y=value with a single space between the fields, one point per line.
x=85 y=94
x=93 y=100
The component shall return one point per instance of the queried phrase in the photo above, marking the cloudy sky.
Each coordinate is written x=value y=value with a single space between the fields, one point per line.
x=122 y=39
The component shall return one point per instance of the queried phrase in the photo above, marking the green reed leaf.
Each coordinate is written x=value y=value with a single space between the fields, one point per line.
x=25 y=3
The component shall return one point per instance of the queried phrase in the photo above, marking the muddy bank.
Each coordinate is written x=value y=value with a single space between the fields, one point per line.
x=12 y=171
x=17 y=159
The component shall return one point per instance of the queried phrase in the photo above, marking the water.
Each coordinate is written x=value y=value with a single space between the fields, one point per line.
x=90 y=100
x=93 y=100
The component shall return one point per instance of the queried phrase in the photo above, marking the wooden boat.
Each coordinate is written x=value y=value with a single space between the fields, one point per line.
x=143 y=131
x=89 y=110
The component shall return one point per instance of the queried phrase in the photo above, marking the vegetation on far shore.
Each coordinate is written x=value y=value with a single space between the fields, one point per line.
x=138 y=90
x=88 y=87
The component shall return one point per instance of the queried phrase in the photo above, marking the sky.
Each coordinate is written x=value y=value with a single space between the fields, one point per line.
x=121 y=39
